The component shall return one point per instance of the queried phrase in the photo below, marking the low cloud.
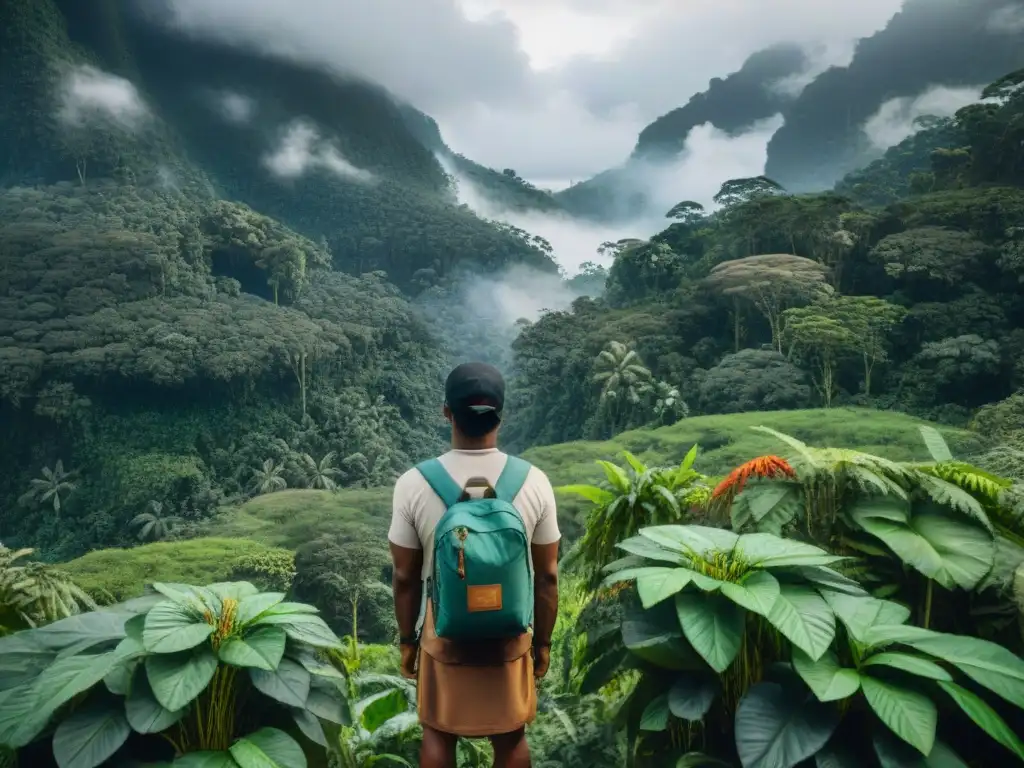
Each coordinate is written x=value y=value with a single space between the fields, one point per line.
x=896 y=119
x=819 y=58
x=235 y=107
x=89 y=94
x=709 y=158
x=1008 y=20
x=302 y=149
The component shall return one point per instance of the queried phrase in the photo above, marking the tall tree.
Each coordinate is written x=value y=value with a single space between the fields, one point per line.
x=624 y=381
x=870 y=320
x=820 y=340
x=772 y=283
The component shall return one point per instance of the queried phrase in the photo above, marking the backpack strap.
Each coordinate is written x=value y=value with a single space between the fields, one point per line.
x=512 y=478
x=440 y=481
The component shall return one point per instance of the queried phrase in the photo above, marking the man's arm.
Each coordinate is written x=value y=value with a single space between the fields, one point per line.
x=407 y=585
x=545 y=592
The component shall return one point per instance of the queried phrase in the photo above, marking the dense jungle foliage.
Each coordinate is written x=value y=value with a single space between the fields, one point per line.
x=209 y=378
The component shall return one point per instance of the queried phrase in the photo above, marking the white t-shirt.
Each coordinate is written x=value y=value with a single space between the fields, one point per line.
x=416 y=509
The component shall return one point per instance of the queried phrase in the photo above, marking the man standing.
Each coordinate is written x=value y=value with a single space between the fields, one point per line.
x=486 y=688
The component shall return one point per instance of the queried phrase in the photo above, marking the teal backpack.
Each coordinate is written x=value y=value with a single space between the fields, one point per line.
x=482 y=582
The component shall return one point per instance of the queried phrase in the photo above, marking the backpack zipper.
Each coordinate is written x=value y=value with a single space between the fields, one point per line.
x=462 y=534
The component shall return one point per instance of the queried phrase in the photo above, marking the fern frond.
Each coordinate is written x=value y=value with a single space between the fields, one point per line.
x=947 y=494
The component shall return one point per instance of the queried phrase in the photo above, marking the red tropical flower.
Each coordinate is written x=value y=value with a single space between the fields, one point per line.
x=765 y=467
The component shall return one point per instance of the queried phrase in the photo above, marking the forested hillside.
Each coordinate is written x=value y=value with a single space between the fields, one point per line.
x=903 y=294
x=208 y=260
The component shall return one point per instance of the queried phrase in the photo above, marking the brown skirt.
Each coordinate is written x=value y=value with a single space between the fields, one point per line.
x=474 y=691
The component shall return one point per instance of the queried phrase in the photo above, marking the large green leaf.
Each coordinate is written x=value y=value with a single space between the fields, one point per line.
x=268 y=748
x=303 y=627
x=629 y=574
x=860 y=614
x=656 y=637
x=893 y=753
x=236 y=590
x=764 y=550
x=985 y=717
x=803 y=616
x=906 y=662
x=146 y=714
x=118 y=680
x=825 y=677
x=692 y=695
x=25 y=717
x=778 y=728
x=616 y=475
x=641 y=547
x=177 y=678
x=713 y=625
x=327 y=701
x=823 y=576
x=757 y=591
x=184 y=595
x=695 y=539
x=377 y=709
x=261 y=648
x=310 y=726
x=953 y=552
x=206 y=760
x=90 y=737
x=307 y=657
x=987 y=663
x=289 y=683
x=768 y=506
x=171 y=628
x=910 y=715
x=655 y=716
x=834 y=756
x=252 y=606
x=591 y=493
x=655 y=587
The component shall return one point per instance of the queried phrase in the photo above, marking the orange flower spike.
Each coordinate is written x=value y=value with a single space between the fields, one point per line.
x=769 y=467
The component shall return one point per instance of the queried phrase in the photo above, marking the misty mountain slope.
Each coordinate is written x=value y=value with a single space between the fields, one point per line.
x=505 y=190
x=929 y=43
x=733 y=104
x=97 y=89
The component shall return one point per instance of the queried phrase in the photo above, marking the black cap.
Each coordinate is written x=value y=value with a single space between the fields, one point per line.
x=475 y=389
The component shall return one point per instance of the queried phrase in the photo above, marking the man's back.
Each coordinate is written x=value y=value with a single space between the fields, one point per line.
x=417 y=509
x=456 y=695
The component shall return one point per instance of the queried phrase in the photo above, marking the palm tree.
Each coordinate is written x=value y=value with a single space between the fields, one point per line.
x=321 y=475
x=267 y=478
x=624 y=380
x=35 y=593
x=51 y=487
x=153 y=525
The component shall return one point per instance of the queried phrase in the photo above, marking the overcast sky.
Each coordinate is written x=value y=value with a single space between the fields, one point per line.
x=556 y=89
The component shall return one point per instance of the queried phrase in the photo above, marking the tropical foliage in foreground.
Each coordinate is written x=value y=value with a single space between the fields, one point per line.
x=808 y=632
x=219 y=673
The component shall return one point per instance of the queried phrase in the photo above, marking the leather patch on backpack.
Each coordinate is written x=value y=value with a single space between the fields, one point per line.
x=484 y=597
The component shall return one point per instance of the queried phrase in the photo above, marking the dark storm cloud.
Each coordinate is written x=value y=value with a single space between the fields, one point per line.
x=426 y=51
x=463 y=61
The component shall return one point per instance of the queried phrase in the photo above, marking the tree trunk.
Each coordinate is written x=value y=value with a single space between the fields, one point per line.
x=868 y=365
x=355 y=626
